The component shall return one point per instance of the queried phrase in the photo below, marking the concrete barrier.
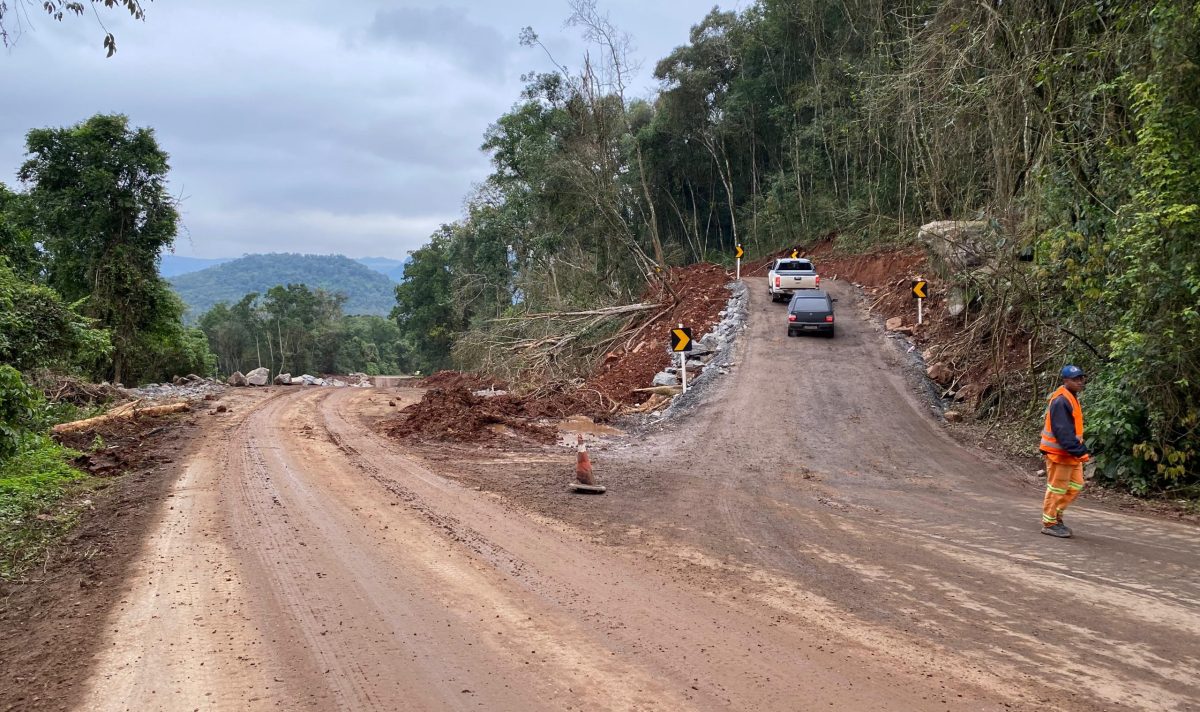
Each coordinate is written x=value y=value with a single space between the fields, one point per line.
x=391 y=381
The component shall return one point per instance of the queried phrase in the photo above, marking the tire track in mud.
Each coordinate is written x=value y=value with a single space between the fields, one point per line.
x=784 y=656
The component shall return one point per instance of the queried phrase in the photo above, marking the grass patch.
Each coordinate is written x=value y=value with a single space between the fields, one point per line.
x=33 y=486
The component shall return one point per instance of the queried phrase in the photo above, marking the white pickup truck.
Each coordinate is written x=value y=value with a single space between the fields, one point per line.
x=789 y=274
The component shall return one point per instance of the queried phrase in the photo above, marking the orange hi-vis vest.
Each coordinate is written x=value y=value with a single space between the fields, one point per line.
x=1049 y=443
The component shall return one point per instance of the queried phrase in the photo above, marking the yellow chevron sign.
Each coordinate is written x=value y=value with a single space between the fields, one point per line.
x=738 y=252
x=681 y=339
x=920 y=289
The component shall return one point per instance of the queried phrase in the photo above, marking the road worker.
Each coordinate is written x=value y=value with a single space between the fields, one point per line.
x=1062 y=444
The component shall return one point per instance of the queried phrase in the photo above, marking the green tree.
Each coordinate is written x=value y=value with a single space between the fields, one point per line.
x=425 y=306
x=372 y=345
x=18 y=243
x=99 y=200
x=38 y=330
x=18 y=411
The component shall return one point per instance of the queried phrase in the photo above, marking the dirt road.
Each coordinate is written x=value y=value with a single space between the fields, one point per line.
x=809 y=539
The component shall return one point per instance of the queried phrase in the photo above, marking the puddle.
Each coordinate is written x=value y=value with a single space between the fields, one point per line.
x=575 y=425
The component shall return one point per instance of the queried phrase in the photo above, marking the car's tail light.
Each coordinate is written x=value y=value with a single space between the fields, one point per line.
x=791 y=317
x=829 y=318
x=778 y=281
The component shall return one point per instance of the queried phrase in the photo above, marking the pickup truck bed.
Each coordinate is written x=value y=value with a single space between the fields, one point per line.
x=789 y=275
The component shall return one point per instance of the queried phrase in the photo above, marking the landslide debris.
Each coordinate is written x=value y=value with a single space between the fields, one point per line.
x=632 y=363
x=473 y=407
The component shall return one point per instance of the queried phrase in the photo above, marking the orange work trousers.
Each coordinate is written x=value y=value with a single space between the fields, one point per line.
x=1063 y=484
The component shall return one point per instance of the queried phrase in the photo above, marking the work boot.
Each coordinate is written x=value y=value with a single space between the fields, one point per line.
x=1062 y=523
x=1057 y=530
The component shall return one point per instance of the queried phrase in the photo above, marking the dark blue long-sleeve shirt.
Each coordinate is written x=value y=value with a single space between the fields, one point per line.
x=1062 y=424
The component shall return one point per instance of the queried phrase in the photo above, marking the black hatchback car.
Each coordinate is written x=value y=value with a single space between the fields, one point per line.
x=810 y=310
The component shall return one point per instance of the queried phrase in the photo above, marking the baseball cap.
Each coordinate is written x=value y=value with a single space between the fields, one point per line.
x=1072 y=371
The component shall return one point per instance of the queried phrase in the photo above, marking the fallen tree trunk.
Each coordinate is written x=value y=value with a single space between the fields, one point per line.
x=125 y=412
x=661 y=390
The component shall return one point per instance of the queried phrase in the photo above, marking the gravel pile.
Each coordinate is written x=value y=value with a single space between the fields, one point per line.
x=185 y=390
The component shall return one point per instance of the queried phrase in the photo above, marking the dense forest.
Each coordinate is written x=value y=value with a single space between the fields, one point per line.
x=1069 y=128
x=366 y=290
x=294 y=329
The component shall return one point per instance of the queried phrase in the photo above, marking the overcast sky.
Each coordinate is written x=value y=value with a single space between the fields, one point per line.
x=309 y=125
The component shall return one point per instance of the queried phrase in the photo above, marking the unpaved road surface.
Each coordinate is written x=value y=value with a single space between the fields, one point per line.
x=808 y=539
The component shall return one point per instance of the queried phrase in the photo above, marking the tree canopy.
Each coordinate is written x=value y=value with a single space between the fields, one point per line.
x=99 y=204
x=295 y=329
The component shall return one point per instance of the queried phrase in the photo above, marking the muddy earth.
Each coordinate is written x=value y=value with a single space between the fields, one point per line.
x=807 y=537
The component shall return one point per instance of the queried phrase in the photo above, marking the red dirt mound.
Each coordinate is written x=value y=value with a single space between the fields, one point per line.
x=459 y=414
x=632 y=364
x=455 y=412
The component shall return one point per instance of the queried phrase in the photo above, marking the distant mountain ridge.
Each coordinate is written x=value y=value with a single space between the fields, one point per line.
x=174 y=265
x=368 y=291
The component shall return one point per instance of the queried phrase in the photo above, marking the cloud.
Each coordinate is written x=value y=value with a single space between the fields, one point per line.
x=300 y=126
x=449 y=33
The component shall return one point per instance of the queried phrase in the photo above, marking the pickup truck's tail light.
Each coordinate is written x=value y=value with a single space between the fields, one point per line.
x=778 y=281
x=818 y=280
x=792 y=317
x=829 y=318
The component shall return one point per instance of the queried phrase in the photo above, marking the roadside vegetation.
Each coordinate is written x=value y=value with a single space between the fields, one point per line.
x=1070 y=131
x=80 y=300
x=34 y=475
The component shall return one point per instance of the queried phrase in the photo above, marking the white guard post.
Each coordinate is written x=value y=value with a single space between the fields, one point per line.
x=683 y=366
x=920 y=312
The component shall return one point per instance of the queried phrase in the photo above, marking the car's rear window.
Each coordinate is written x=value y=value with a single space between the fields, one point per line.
x=794 y=265
x=809 y=301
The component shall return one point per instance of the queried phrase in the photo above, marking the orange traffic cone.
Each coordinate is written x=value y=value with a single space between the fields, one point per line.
x=583 y=463
x=585 y=482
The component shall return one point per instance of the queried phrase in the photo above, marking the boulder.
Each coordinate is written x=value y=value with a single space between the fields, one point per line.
x=177 y=380
x=894 y=324
x=665 y=379
x=258 y=377
x=953 y=416
x=939 y=373
x=283 y=379
x=237 y=379
x=956 y=302
x=193 y=378
x=971 y=394
x=959 y=244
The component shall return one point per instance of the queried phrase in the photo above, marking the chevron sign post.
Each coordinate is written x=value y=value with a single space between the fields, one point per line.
x=920 y=290
x=681 y=343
